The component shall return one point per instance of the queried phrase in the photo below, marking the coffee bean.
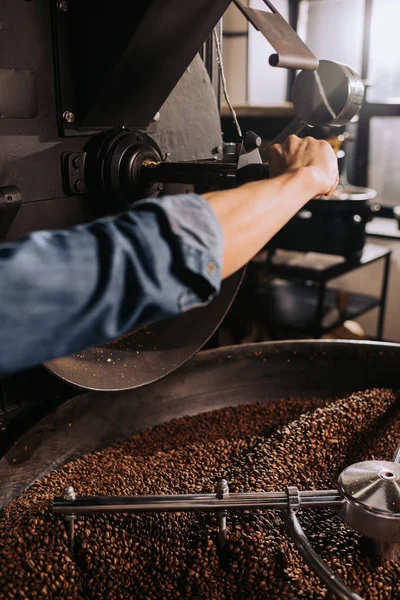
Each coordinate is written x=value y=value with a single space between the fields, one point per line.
x=259 y=447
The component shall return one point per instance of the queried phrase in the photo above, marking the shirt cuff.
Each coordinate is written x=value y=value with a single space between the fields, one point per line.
x=199 y=245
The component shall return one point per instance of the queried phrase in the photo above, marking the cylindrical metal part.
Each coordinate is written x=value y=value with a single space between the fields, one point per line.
x=202 y=172
x=222 y=528
x=371 y=492
x=69 y=519
x=194 y=502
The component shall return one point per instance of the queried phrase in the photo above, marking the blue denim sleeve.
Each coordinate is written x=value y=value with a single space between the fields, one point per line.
x=64 y=291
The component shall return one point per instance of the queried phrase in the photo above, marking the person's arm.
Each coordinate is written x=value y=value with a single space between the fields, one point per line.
x=64 y=291
x=252 y=214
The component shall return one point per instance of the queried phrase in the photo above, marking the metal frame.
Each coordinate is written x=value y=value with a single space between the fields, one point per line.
x=321 y=280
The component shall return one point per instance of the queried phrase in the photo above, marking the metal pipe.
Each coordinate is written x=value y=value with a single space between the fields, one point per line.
x=319 y=566
x=193 y=502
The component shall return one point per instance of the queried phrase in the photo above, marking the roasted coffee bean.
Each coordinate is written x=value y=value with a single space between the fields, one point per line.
x=259 y=447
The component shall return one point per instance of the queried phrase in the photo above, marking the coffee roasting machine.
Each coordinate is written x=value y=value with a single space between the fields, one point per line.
x=91 y=122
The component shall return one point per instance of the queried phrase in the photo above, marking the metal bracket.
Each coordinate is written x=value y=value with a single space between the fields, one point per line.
x=10 y=203
x=291 y=51
x=293 y=499
x=74 y=172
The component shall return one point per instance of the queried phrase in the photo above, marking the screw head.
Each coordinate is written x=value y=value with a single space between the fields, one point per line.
x=77 y=162
x=68 y=116
x=69 y=493
x=79 y=186
x=62 y=5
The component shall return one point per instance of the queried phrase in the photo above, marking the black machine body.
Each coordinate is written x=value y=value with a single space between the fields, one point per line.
x=100 y=121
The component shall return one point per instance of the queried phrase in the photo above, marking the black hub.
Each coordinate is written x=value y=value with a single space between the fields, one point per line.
x=113 y=170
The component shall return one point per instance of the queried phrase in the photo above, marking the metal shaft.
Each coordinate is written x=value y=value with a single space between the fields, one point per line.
x=293 y=128
x=201 y=172
x=193 y=502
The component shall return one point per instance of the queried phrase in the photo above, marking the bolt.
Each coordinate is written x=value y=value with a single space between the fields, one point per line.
x=77 y=162
x=222 y=489
x=68 y=116
x=217 y=150
x=69 y=493
x=156 y=116
x=139 y=137
x=79 y=186
x=62 y=5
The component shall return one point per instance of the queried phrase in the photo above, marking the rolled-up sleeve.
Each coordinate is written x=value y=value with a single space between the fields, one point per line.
x=63 y=291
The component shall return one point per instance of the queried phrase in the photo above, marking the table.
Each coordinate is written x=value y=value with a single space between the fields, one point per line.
x=301 y=304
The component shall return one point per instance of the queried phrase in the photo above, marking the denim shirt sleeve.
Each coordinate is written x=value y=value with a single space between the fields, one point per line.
x=63 y=291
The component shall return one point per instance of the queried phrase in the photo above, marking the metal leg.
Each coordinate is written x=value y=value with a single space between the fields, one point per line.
x=222 y=493
x=69 y=520
x=385 y=281
x=320 y=310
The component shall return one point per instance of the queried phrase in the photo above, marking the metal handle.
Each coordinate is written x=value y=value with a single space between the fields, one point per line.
x=319 y=566
x=294 y=127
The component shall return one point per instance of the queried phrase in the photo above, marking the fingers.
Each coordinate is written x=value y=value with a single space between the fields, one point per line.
x=334 y=186
x=275 y=150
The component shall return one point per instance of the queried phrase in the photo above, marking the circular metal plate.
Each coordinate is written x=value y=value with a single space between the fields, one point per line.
x=148 y=353
x=331 y=95
x=374 y=485
x=371 y=491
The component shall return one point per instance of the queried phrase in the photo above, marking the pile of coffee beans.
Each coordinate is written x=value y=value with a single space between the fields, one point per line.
x=259 y=447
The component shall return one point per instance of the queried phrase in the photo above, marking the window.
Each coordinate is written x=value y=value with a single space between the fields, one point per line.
x=333 y=29
x=267 y=85
x=384 y=55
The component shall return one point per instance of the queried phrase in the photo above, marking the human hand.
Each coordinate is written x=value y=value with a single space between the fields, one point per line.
x=315 y=155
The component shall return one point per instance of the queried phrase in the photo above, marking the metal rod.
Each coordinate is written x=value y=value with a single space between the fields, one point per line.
x=213 y=172
x=319 y=566
x=69 y=519
x=193 y=502
x=294 y=127
x=383 y=298
x=222 y=494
